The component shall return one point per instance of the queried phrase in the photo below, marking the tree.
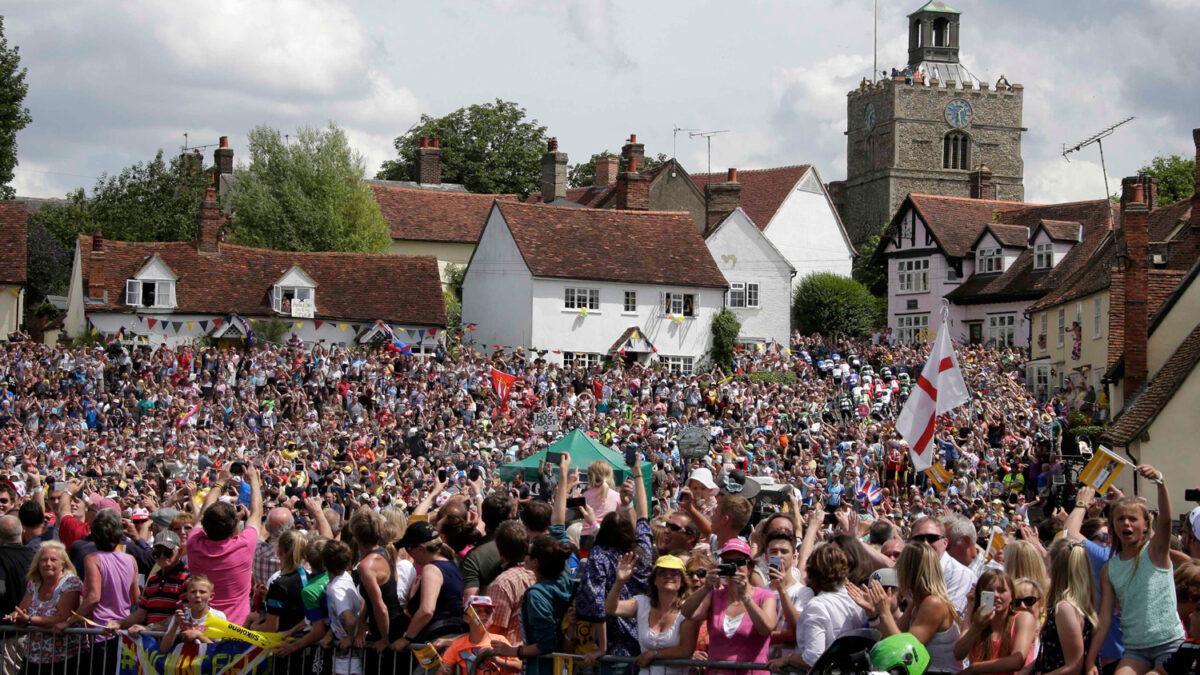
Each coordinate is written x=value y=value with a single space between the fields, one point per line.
x=306 y=195
x=868 y=272
x=489 y=148
x=725 y=329
x=584 y=173
x=48 y=262
x=833 y=305
x=1176 y=177
x=13 y=115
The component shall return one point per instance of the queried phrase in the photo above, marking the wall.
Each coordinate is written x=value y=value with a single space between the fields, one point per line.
x=445 y=252
x=558 y=328
x=498 y=289
x=744 y=254
x=1093 y=357
x=980 y=313
x=12 y=308
x=805 y=229
x=1176 y=326
x=330 y=332
x=921 y=246
x=677 y=193
x=1176 y=427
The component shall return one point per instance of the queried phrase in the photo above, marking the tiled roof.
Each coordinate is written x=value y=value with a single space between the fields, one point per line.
x=1009 y=236
x=956 y=221
x=589 y=196
x=653 y=247
x=1147 y=405
x=763 y=190
x=14 y=231
x=1061 y=230
x=350 y=286
x=428 y=215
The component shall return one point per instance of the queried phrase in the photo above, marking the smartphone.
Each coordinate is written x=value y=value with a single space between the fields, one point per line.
x=576 y=502
x=987 y=600
x=237 y=468
x=775 y=562
x=1191 y=495
x=554 y=458
x=631 y=457
x=441 y=475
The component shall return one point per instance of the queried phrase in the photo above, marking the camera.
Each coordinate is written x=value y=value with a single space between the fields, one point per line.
x=726 y=569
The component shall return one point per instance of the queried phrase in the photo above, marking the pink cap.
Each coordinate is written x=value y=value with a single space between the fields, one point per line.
x=736 y=545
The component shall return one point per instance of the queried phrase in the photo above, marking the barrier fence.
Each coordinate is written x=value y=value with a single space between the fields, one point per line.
x=562 y=659
x=95 y=651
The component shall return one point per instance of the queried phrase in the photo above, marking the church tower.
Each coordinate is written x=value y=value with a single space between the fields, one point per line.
x=925 y=128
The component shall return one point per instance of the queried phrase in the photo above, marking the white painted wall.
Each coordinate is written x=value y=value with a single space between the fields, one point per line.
x=558 y=328
x=1174 y=328
x=806 y=230
x=980 y=313
x=498 y=289
x=922 y=246
x=744 y=254
x=12 y=308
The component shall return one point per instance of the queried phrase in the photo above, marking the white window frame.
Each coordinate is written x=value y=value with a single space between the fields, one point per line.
x=1062 y=325
x=912 y=328
x=1097 y=324
x=1041 y=379
x=630 y=303
x=278 y=293
x=679 y=365
x=676 y=303
x=989 y=260
x=1043 y=256
x=135 y=293
x=1002 y=329
x=581 y=298
x=912 y=276
x=583 y=359
x=743 y=295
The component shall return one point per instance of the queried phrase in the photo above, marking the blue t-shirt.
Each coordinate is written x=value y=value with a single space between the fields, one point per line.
x=1112 y=647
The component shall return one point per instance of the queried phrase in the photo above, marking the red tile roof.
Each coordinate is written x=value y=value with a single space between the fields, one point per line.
x=763 y=190
x=429 y=215
x=1009 y=236
x=1061 y=230
x=653 y=247
x=955 y=221
x=350 y=286
x=14 y=232
x=1146 y=406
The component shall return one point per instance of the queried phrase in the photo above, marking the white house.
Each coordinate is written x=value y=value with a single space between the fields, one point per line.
x=990 y=259
x=14 y=218
x=583 y=284
x=759 y=276
x=175 y=292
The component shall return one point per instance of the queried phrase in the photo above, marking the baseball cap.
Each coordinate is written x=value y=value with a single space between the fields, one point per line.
x=163 y=517
x=99 y=502
x=417 y=533
x=139 y=515
x=704 y=477
x=670 y=562
x=736 y=545
x=167 y=539
x=886 y=576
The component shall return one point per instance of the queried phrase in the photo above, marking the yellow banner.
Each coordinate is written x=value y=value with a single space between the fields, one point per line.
x=940 y=476
x=1102 y=471
x=996 y=544
x=224 y=630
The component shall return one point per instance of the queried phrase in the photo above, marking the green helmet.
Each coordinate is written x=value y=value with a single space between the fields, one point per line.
x=901 y=654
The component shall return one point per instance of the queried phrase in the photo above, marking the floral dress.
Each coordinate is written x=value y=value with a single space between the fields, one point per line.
x=47 y=647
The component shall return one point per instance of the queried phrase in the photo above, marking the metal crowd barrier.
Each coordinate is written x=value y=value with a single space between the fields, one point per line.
x=685 y=663
x=84 y=655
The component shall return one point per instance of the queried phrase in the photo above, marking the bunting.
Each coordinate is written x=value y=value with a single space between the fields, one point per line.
x=191 y=325
x=343 y=326
x=318 y=323
x=204 y=326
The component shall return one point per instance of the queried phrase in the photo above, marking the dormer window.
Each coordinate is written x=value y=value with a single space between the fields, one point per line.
x=153 y=287
x=988 y=260
x=1043 y=256
x=294 y=294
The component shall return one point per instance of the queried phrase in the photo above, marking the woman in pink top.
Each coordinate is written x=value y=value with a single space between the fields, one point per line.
x=739 y=615
x=602 y=498
x=218 y=551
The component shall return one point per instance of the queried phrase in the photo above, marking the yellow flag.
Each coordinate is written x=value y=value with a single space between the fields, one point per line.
x=1102 y=471
x=996 y=544
x=940 y=476
x=342 y=326
x=222 y=629
x=299 y=325
x=191 y=325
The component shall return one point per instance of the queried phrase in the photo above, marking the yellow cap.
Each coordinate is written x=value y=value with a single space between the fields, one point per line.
x=670 y=562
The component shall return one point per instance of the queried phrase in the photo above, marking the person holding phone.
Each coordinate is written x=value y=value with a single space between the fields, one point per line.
x=830 y=613
x=739 y=615
x=998 y=639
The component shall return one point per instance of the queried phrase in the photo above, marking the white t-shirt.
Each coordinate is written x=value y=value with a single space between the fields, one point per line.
x=406 y=574
x=826 y=617
x=342 y=595
x=959 y=580
x=189 y=620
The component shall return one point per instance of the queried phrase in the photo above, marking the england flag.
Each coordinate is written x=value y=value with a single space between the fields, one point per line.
x=940 y=389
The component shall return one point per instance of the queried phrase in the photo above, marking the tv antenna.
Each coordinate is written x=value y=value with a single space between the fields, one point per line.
x=707 y=135
x=185 y=147
x=675 y=136
x=1098 y=139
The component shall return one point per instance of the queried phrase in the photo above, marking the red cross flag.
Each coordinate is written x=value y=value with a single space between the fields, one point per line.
x=502 y=384
x=940 y=389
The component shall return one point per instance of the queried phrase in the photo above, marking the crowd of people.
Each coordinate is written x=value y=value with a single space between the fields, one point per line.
x=352 y=500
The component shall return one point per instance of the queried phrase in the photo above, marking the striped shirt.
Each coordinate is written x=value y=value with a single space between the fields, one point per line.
x=165 y=593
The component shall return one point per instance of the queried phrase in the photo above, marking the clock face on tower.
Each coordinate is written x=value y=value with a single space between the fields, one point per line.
x=958 y=113
x=869 y=116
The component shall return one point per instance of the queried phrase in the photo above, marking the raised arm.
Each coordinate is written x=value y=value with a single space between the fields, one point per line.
x=1160 y=543
x=559 y=515
x=641 y=503
x=254 y=520
x=1075 y=520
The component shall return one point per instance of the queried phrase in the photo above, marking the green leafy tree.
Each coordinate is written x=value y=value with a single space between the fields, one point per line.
x=1176 y=177
x=584 y=173
x=868 y=272
x=725 y=329
x=306 y=195
x=489 y=148
x=48 y=262
x=833 y=305
x=13 y=115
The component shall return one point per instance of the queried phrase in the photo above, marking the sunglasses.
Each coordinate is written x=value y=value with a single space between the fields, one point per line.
x=740 y=562
x=926 y=538
x=1027 y=601
x=698 y=574
x=163 y=553
x=674 y=527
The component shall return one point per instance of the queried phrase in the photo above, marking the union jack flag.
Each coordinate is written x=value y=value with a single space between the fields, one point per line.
x=866 y=492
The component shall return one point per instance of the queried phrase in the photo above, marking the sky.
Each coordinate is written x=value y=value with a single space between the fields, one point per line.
x=111 y=83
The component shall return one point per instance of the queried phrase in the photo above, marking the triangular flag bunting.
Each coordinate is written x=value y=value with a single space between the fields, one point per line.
x=151 y=322
x=343 y=326
x=317 y=323
x=191 y=325
x=204 y=325
x=299 y=325
x=218 y=322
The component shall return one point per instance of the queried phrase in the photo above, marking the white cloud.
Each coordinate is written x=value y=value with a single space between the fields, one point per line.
x=1057 y=180
x=591 y=22
x=35 y=179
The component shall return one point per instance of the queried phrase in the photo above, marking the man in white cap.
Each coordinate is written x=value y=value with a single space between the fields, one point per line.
x=465 y=649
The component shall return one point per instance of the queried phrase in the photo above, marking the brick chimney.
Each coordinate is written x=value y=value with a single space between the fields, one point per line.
x=981 y=183
x=554 y=173
x=95 y=288
x=720 y=200
x=429 y=162
x=211 y=222
x=1134 y=215
x=223 y=157
x=606 y=171
x=192 y=162
x=633 y=189
x=633 y=150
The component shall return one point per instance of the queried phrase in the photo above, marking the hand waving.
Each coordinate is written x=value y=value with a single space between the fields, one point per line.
x=625 y=568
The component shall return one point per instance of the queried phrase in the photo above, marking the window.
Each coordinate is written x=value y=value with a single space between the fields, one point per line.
x=1095 y=317
x=630 y=301
x=1043 y=256
x=580 y=360
x=913 y=275
x=1002 y=329
x=912 y=328
x=952 y=274
x=1041 y=380
x=1062 y=325
x=282 y=297
x=150 y=293
x=679 y=365
x=1044 y=320
x=742 y=294
x=582 y=298
x=989 y=260
x=954 y=150
x=679 y=303
x=1079 y=314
